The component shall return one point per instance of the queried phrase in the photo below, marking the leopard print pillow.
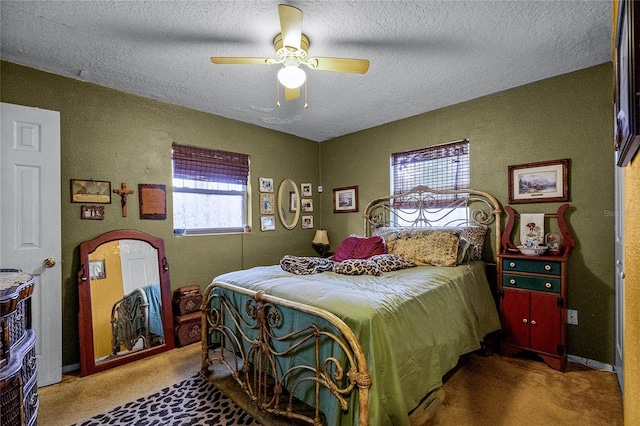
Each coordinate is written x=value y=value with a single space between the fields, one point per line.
x=392 y=262
x=357 y=267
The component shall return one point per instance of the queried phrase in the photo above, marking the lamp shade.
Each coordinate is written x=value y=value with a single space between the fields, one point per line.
x=321 y=237
x=291 y=76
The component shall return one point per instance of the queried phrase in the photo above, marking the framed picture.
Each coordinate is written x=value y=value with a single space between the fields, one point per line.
x=546 y=181
x=267 y=223
x=92 y=212
x=307 y=222
x=306 y=205
x=266 y=203
x=97 y=270
x=90 y=191
x=293 y=202
x=153 y=201
x=345 y=199
x=305 y=190
x=266 y=184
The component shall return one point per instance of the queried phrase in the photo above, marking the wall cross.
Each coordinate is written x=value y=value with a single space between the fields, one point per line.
x=123 y=192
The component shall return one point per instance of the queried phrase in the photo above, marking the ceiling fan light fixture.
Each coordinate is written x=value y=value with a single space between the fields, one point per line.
x=291 y=76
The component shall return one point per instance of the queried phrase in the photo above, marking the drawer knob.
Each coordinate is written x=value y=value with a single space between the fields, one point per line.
x=533 y=322
x=512 y=264
x=524 y=320
x=512 y=281
x=548 y=285
x=547 y=267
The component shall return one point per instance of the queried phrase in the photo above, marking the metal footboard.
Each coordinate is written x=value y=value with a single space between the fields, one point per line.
x=266 y=361
x=130 y=322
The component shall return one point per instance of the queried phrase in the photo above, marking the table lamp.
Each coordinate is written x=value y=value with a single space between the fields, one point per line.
x=320 y=242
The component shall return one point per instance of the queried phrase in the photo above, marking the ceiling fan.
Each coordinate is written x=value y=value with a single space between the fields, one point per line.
x=292 y=51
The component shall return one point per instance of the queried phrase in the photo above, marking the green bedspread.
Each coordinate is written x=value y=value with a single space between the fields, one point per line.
x=413 y=324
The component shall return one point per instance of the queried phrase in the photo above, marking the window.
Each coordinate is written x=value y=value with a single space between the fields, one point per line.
x=440 y=167
x=210 y=193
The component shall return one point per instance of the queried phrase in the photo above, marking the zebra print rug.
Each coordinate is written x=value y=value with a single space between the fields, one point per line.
x=194 y=401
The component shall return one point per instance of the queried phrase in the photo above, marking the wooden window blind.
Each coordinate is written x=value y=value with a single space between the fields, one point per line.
x=211 y=165
x=440 y=167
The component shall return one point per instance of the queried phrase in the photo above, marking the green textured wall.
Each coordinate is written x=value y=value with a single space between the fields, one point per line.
x=569 y=116
x=111 y=135
x=114 y=136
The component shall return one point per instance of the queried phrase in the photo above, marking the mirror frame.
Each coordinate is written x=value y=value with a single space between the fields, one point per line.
x=280 y=203
x=88 y=364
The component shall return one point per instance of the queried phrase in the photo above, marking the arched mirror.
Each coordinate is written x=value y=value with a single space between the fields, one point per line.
x=288 y=203
x=125 y=300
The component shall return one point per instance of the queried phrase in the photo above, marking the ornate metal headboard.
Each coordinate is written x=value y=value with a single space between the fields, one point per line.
x=423 y=207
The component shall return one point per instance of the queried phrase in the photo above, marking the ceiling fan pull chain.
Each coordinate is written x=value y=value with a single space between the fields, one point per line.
x=306 y=104
x=277 y=93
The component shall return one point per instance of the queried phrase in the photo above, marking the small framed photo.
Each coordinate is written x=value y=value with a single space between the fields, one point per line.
x=267 y=223
x=345 y=200
x=90 y=191
x=307 y=222
x=293 y=202
x=266 y=204
x=266 y=184
x=305 y=190
x=92 y=212
x=306 y=205
x=543 y=182
x=97 y=270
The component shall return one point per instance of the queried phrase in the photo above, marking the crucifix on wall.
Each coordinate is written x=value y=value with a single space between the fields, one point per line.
x=123 y=192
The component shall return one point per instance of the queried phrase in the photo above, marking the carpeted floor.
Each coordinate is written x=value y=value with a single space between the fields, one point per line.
x=492 y=391
x=497 y=391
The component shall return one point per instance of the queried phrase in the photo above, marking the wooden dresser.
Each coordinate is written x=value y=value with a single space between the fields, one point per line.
x=18 y=387
x=533 y=297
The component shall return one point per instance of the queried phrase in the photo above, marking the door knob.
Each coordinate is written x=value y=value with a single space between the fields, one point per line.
x=49 y=262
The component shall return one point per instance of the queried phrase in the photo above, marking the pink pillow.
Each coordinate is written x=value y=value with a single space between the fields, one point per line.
x=359 y=248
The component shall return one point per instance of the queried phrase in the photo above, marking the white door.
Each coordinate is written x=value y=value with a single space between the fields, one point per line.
x=619 y=274
x=30 y=221
x=139 y=262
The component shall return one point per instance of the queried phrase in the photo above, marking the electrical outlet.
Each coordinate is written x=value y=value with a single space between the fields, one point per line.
x=572 y=316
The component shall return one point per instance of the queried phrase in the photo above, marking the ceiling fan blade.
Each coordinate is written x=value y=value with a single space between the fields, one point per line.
x=290 y=25
x=291 y=94
x=237 y=60
x=356 y=66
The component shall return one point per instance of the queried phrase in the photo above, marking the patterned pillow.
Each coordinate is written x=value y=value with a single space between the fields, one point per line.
x=357 y=267
x=392 y=262
x=465 y=249
x=474 y=234
x=426 y=247
x=305 y=265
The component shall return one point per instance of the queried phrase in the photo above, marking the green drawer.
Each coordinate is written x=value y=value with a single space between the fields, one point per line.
x=551 y=285
x=535 y=266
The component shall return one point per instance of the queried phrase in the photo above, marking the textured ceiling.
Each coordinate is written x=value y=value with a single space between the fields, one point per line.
x=424 y=55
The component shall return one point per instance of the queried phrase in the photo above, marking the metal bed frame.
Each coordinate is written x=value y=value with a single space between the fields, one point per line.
x=254 y=361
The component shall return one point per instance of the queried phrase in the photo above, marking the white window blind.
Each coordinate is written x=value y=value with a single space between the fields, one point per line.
x=440 y=167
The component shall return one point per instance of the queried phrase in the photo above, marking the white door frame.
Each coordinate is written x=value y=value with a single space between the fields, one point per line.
x=619 y=274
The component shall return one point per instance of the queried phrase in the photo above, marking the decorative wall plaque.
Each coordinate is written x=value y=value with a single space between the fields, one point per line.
x=153 y=201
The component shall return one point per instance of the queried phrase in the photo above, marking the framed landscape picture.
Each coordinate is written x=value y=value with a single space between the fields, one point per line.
x=345 y=200
x=90 y=191
x=546 y=181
